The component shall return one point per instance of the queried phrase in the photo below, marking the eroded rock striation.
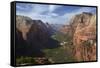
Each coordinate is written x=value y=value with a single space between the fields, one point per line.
x=84 y=36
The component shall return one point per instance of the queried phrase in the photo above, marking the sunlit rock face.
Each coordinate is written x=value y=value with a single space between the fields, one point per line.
x=23 y=24
x=84 y=36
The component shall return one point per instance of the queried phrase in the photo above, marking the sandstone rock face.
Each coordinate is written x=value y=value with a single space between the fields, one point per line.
x=23 y=24
x=84 y=36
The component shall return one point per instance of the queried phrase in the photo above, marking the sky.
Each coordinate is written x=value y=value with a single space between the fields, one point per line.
x=53 y=14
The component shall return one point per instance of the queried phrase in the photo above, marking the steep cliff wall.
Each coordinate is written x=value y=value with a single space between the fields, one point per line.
x=84 y=36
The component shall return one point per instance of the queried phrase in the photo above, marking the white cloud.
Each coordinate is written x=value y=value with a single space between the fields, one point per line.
x=84 y=9
x=54 y=14
x=53 y=7
x=39 y=8
x=50 y=16
x=67 y=17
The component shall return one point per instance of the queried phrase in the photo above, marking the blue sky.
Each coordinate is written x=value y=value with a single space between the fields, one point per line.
x=57 y=14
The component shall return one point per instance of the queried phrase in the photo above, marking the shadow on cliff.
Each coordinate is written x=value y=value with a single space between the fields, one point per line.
x=36 y=41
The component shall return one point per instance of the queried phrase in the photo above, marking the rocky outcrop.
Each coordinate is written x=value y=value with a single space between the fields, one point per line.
x=23 y=24
x=84 y=36
x=32 y=36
